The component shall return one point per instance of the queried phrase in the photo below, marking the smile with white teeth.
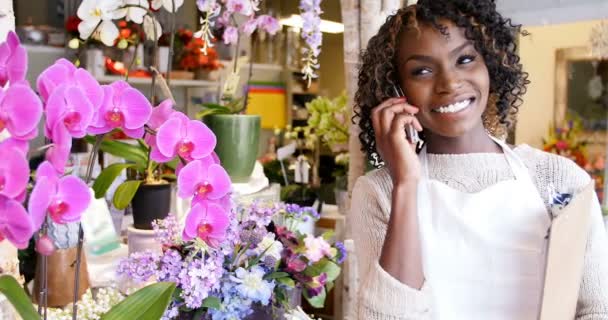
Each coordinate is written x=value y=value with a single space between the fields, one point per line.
x=454 y=107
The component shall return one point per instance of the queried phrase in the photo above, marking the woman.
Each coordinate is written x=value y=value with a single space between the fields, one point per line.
x=456 y=231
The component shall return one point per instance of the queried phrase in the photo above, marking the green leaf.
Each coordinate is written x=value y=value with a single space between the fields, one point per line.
x=129 y=152
x=212 y=302
x=317 y=301
x=276 y=275
x=147 y=303
x=168 y=176
x=324 y=266
x=286 y=282
x=17 y=297
x=107 y=177
x=125 y=193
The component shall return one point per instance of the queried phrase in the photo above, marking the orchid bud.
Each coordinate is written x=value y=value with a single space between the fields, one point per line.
x=45 y=245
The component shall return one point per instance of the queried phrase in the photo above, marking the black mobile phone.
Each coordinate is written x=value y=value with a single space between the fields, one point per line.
x=410 y=131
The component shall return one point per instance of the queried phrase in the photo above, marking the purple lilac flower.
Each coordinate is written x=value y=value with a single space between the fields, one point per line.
x=139 y=266
x=170 y=266
x=171 y=313
x=198 y=279
x=166 y=231
x=341 y=252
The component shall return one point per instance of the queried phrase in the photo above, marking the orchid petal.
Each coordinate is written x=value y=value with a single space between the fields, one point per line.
x=155 y=154
x=15 y=224
x=75 y=193
x=19 y=145
x=17 y=66
x=90 y=87
x=203 y=138
x=23 y=108
x=55 y=108
x=136 y=133
x=167 y=137
x=40 y=199
x=14 y=171
x=196 y=214
x=86 y=28
x=136 y=108
x=108 y=32
x=189 y=178
x=217 y=217
x=47 y=171
x=160 y=114
x=78 y=102
x=51 y=78
x=219 y=179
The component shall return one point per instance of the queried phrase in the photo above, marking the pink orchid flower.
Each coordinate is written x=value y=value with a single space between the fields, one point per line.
x=14 y=171
x=207 y=222
x=64 y=199
x=203 y=180
x=13 y=60
x=63 y=73
x=15 y=224
x=189 y=139
x=54 y=76
x=70 y=106
x=59 y=153
x=159 y=116
x=123 y=107
x=20 y=111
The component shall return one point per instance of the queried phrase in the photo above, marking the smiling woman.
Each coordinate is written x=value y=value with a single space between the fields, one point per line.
x=455 y=228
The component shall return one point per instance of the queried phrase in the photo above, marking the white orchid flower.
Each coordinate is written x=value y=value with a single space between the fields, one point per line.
x=149 y=28
x=167 y=4
x=132 y=10
x=98 y=14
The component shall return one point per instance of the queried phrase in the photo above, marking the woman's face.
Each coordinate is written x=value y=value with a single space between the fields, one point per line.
x=445 y=77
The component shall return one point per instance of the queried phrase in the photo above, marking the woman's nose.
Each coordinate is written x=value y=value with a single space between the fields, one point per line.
x=448 y=82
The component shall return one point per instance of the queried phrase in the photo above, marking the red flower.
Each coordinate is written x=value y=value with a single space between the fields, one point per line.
x=71 y=25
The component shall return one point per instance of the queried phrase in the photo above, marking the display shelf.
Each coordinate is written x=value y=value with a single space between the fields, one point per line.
x=148 y=81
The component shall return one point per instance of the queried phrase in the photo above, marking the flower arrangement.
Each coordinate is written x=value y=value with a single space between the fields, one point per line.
x=567 y=142
x=191 y=55
x=310 y=10
x=226 y=268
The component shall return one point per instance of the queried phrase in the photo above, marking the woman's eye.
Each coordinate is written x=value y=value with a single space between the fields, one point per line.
x=421 y=71
x=466 y=59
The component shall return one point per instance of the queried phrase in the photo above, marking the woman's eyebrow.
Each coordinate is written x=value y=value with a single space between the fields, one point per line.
x=424 y=58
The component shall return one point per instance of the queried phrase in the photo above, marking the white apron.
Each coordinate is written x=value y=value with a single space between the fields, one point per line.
x=483 y=253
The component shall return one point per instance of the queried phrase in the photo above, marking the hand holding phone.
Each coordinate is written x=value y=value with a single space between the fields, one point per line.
x=411 y=132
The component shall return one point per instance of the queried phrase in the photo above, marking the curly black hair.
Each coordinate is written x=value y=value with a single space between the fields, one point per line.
x=494 y=37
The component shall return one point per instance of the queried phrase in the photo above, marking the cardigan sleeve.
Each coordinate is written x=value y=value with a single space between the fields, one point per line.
x=380 y=296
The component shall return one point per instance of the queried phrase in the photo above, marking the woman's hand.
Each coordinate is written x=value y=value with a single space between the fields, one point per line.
x=390 y=119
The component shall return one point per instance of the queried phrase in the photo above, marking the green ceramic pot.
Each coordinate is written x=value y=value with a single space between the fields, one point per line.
x=238 y=137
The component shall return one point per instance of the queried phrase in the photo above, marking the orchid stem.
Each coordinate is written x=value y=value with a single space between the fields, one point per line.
x=92 y=159
x=170 y=60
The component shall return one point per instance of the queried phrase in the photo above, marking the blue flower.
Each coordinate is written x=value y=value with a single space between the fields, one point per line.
x=251 y=285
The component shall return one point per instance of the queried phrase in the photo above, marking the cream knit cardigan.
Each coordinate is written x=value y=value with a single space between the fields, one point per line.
x=382 y=297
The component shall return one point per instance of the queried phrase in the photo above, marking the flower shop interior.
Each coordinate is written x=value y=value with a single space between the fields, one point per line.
x=192 y=159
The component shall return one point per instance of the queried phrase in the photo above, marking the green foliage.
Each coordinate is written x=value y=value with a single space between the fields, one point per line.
x=17 y=297
x=125 y=193
x=147 y=303
x=232 y=106
x=107 y=177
